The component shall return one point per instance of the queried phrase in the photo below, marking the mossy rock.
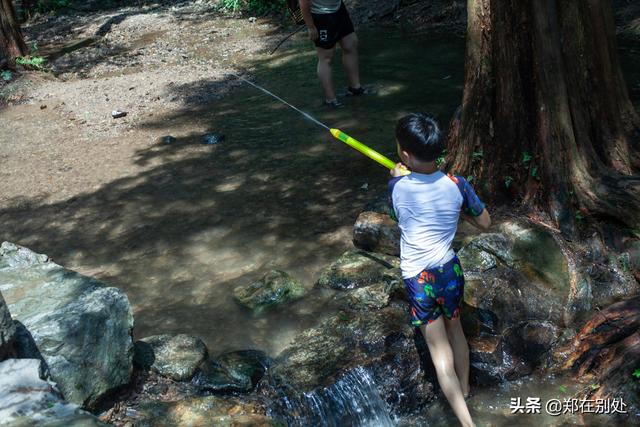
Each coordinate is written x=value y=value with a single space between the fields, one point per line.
x=237 y=371
x=172 y=356
x=356 y=269
x=274 y=288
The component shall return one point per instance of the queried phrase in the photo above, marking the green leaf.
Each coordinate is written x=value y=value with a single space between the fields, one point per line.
x=6 y=75
x=508 y=180
x=470 y=178
x=562 y=389
x=477 y=154
x=526 y=157
x=534 y=171
x=636 y=373
x=594 y=386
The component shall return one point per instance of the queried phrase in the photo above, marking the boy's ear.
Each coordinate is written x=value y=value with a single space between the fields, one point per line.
x=405 y=156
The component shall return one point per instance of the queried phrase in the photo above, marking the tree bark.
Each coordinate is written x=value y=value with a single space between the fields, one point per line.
x=546 y=115
x=12 y=44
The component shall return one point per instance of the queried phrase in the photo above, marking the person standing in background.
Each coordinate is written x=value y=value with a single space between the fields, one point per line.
x=328 y=24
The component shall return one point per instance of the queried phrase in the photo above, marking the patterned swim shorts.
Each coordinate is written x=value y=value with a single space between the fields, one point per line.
x=436 y=291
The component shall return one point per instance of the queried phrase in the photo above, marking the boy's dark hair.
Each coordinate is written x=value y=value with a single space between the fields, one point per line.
x=419 y=134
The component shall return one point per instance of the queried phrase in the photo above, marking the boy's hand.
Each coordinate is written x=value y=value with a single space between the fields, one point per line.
x=313 y=33
x=399 y=170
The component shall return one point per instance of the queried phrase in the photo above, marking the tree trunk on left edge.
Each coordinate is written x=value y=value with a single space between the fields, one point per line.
x=12 y=44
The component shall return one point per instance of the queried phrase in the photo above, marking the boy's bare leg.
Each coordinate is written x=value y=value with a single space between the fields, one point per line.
x=349 y=45
x=460 y=352
x=435 y=335
x=325 y=58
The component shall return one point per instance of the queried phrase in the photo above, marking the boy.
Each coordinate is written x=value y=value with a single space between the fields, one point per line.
x=428 y=204
x=328 y=23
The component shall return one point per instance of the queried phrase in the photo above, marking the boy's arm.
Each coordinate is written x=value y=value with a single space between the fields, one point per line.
x=482 y=221
x=305 y=8
x=473 y=210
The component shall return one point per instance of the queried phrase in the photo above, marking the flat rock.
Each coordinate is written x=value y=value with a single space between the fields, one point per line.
x=28 y=400
x=274 y=288
x=173 y=356
x=375 y=296
x=355 y=269
x=79 y=327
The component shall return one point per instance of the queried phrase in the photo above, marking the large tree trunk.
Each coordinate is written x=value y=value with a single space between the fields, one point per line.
x=11 y=42
x=546 y=116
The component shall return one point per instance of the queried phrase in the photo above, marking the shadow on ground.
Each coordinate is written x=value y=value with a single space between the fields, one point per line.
x=278 y=191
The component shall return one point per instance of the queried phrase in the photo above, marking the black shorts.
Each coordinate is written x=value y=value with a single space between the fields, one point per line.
x=332 y=27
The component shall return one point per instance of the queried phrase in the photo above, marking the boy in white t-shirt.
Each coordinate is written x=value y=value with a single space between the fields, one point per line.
x=428 y=204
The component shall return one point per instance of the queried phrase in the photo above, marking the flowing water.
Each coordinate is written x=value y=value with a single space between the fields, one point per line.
x=352 y=400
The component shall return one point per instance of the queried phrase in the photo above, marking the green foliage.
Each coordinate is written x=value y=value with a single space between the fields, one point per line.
x=508 y=180
x=44 y=6
x=34 y=62
x=594 y=386
x=526 y=158
x=440 y=160
x=477 y=155
x=534 y=171
x=579 y=216
x=470 y=179
x=257 y=7
x=636 y=373
x=562 y=389
x=6 y=75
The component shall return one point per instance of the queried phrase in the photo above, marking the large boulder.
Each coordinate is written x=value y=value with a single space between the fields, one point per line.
x=355 y=269
x=28 y=400
x=375 y=347
x=274 y=288
x=7 y=331
x=172 y=356
x=80 y=328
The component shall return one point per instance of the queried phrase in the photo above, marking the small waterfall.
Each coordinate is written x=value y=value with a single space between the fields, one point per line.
x=352 y=401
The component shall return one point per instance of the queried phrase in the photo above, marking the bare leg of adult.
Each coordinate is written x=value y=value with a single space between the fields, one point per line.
x=349 y=45
x=435 y=335
x=460 y=352
x=325 y=58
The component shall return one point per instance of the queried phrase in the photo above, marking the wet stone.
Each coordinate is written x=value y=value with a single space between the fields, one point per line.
x=377 y=232
x=237 y=371
x=375 y=296
x=274 y=288
x=532 y=340
x=355 y=269
x=486 y=349
x=212 y=138
x=173 y=356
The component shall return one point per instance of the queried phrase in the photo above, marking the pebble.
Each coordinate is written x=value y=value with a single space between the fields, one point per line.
x=116 y=114
x=212 y=138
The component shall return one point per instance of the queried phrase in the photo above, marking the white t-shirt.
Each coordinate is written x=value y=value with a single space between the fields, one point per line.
x=325 y=6
x=428 y=208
